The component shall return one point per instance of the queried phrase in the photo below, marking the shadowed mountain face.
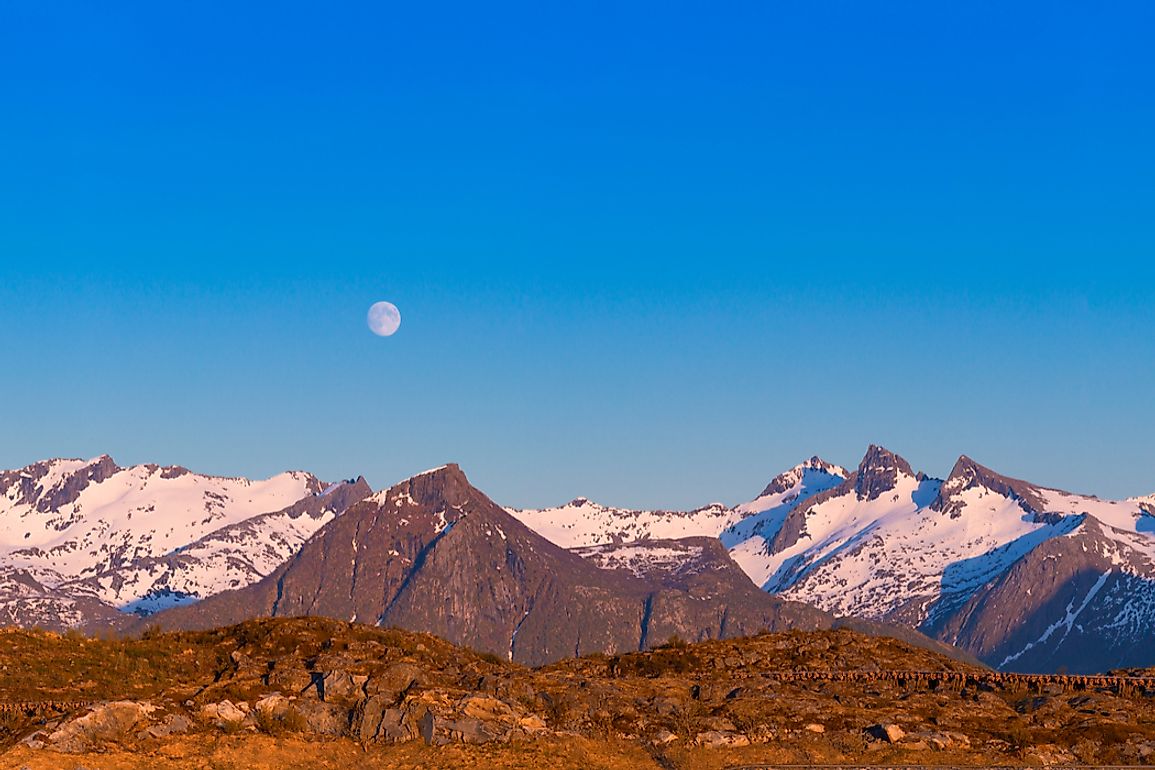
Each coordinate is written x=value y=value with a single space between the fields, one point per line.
x=1025 y=577
x=1082 y=601
x=433 y=553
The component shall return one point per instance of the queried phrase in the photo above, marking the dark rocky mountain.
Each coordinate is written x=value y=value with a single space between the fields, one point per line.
x=879 y=472
x=435 y=554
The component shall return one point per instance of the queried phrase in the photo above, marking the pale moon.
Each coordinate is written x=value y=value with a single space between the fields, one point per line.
x=384 y=318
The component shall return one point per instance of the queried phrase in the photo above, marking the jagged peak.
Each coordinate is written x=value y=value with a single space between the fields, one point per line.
x=786 y=480
x=969 y=474
x=879 y=472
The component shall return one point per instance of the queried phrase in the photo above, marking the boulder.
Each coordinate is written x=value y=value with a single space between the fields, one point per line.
x=273 y=705
x=323 y=718
x=720 y=739
x=342 y=687
x=379 y=721
x=105 y=723
x=173 y=724
x=484 y=708
x=224 y=714
x=532 y=724
x=293 y=680
x=395 y=681
x=891 y=733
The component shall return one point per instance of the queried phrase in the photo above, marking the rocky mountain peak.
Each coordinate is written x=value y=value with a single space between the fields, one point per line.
x=878 y=472
x=968 y=474
x=51 y=484
x=786 y=480
x=436 y=488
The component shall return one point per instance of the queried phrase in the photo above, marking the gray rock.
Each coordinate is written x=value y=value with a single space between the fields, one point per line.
x=342 y=687
x=273 y=705
x=105 y=723
x=395 y=681
x=323 y=718
x=380 y=722
x=718 y=739
x=173 y=724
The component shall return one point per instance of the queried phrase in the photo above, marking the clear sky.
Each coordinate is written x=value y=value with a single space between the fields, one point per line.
x=651 y=253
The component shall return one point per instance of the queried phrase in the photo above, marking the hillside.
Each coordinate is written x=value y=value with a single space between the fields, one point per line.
x=1025 y=577
x=89 y=544
x=433 y=553
x=325 y=691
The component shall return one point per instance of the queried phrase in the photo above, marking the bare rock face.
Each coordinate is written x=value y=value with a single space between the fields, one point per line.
x=323 y=718
x=435 y=554
x=719 y=739
x=342 y=687
x=223 y=713
x=879 y=472
x=876 y=475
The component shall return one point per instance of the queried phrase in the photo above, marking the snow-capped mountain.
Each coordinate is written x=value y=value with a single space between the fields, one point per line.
x=1024 y=576
x=889 y=543
x=77 y=534
x=582 y=522
x=433 y=553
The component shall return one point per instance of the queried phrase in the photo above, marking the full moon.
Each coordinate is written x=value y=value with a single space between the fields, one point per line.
x=384 y=318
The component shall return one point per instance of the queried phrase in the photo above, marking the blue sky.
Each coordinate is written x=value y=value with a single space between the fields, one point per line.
x=648 y=253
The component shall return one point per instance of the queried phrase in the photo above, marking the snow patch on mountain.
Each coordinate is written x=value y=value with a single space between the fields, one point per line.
x=642 y=559
x=582 y=522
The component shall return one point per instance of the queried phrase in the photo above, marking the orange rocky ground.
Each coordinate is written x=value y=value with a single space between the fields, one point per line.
x=320 y=693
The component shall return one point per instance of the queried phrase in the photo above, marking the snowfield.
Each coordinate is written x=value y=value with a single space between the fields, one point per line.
x=146 y=537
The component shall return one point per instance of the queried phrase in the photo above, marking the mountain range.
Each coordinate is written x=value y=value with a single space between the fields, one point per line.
x=1021 y=576
x=1024 y=577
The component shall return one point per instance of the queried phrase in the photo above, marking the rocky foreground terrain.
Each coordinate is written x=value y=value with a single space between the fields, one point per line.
x=314 y=692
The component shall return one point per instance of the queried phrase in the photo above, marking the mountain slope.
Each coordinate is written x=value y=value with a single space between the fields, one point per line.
x=231 y=557
x=993 y=564
x=1027 y=577
x=80 y=540
x=582 y=522
x=435 y=554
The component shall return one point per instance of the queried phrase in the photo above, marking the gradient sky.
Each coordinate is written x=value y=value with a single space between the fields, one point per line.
x=651 y=253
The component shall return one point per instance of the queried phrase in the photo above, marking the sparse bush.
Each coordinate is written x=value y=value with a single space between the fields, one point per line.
x=662 y=661
x=287 y=721
x=151 y=633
